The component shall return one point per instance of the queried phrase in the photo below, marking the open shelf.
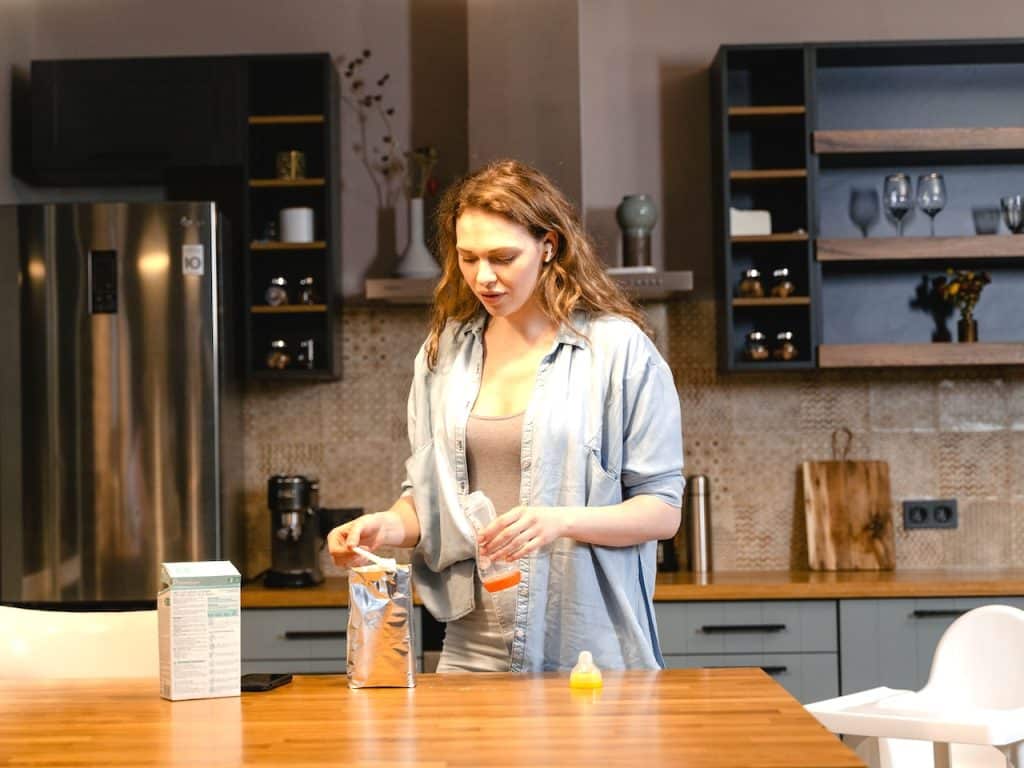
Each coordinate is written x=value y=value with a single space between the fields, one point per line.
x=641 y=286
x=296 y=374
x=285 y=119
x=277 y=245
x=771 y=301
x=915 y=355
x=288 y=309
x=286 y=182
x=768 y=111
x=768 y=174
x=919 y=140
x=921 y=248
x=780 y=237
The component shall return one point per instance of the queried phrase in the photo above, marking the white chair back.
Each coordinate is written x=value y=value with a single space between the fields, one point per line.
x=64 y=644
x=979 y=660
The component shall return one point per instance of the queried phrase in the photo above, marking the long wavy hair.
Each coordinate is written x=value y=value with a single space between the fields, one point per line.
x=574 y=279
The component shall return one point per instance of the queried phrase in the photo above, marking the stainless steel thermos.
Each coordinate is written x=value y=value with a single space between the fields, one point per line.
x=698 y=523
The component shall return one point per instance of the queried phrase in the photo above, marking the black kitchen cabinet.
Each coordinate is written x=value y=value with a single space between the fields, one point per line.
x=211 y=128
x=127 y=121
x=809 y=133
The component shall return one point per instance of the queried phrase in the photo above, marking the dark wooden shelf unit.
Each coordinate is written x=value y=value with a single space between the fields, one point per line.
x=919 y=140
x=293 y=105
x=919 y=355
x=857 y=113
x=276 y=245
x=286 y=119
x=772 y=301
x=286 y=183
x=287 y=309
x=768 y=111
x=768 y=174
x=946 y=249
x=761 y=160
x=779 y=237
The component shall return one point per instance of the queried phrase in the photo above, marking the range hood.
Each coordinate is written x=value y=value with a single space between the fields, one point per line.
x=643 y=283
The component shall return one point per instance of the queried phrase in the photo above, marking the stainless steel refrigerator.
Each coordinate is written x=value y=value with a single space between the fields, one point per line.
x=120 y=413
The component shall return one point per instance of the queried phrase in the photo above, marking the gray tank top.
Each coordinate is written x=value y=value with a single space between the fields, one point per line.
x=482 y=640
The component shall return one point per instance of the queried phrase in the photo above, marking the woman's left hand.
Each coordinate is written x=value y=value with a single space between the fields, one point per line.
x=522 y=531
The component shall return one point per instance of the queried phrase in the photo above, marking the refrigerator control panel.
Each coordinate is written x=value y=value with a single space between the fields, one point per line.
x=103 y=282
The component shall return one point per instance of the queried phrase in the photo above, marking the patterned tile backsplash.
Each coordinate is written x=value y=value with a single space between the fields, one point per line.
x=945 y=433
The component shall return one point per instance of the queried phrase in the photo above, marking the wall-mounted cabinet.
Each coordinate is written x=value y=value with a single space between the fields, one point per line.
x=125 y=121
x=761 y=164
x=861 y=112
x=292 y=276
x=211 y=128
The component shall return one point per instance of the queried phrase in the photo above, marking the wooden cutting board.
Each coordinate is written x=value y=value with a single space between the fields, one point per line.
x=846 y=505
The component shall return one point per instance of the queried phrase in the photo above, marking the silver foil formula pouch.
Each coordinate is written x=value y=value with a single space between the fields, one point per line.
x=381 y=651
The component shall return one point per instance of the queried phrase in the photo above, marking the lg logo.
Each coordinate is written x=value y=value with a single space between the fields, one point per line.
x=192 y=262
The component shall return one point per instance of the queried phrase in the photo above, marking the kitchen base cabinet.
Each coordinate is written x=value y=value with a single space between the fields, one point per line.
x=891 y=642
x=302 y=640
x=808 y=676
x=795 y=641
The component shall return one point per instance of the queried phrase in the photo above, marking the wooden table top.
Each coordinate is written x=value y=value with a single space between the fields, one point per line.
x=738 y=585
x=698 y=718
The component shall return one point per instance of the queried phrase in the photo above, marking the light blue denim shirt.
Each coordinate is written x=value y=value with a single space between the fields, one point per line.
x=602 y=426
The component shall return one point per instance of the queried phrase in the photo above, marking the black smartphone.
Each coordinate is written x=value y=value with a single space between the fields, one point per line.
x=262 y=681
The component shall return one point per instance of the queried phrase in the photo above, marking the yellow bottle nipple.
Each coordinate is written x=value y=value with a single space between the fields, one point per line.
x=585 y=674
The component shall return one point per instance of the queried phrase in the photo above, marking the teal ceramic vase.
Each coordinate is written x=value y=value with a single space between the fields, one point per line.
x=636 y=215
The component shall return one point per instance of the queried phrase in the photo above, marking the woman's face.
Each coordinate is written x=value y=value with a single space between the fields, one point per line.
x=500 y=260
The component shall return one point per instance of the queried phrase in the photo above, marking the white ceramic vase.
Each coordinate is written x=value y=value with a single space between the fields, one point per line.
x=416 y=260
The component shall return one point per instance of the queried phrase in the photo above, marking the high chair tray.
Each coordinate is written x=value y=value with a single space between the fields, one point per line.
x=888 y=713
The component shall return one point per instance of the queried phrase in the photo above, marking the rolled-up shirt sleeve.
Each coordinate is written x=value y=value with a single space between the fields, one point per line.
x=652 y=452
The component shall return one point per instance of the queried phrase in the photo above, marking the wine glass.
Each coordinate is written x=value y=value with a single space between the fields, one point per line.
x=864 y=208
x=898 y=197
x=931 y=195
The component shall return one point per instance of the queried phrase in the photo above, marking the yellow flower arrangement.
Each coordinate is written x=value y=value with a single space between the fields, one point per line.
x=963 y=289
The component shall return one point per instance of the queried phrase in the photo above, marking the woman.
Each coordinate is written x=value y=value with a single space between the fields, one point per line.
x=538 y=385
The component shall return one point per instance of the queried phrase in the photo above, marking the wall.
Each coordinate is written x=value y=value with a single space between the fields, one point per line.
x=644 y=127
x=644 y=98
x=421 y=45
x=524 y=94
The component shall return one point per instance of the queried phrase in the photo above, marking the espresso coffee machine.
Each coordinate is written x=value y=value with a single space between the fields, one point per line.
x=295 y=534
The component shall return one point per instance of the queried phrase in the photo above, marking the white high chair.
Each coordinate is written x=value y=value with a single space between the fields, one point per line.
x=62 y=644
x=974 y=700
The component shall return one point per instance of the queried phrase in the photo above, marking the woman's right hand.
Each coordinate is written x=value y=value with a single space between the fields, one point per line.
x=371 y=531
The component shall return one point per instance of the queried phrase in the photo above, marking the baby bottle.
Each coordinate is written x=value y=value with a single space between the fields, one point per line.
x=496 y=575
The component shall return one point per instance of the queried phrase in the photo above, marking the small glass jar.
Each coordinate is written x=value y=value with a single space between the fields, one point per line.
x=756 y=347
x=277 y=292
x=785 y=349
x=307 y=291
x=750 y=286
x=278 y=357
x=782 y=286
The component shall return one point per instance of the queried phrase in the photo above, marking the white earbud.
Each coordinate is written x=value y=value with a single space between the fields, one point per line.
x=547 y=252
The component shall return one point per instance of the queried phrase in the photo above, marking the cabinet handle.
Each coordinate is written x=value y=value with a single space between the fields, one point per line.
x=721 y=629
x=315 y=634
x=947 y=613
x=777 y=670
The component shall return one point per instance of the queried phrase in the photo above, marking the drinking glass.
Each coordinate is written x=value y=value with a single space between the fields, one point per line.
x=864 y=208
x=898 y=197
x=1013 y=212
x=931 y=196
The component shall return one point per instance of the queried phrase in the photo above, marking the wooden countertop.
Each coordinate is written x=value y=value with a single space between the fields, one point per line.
x=699 y=718
x=737 y=585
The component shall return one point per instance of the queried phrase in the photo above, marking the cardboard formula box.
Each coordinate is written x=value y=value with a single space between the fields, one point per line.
x=199 y=608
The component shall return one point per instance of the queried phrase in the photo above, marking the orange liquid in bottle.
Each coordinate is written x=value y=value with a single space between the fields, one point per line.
x=502 y=582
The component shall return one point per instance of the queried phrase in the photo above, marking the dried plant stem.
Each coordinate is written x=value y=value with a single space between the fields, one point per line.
x=363 y=155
